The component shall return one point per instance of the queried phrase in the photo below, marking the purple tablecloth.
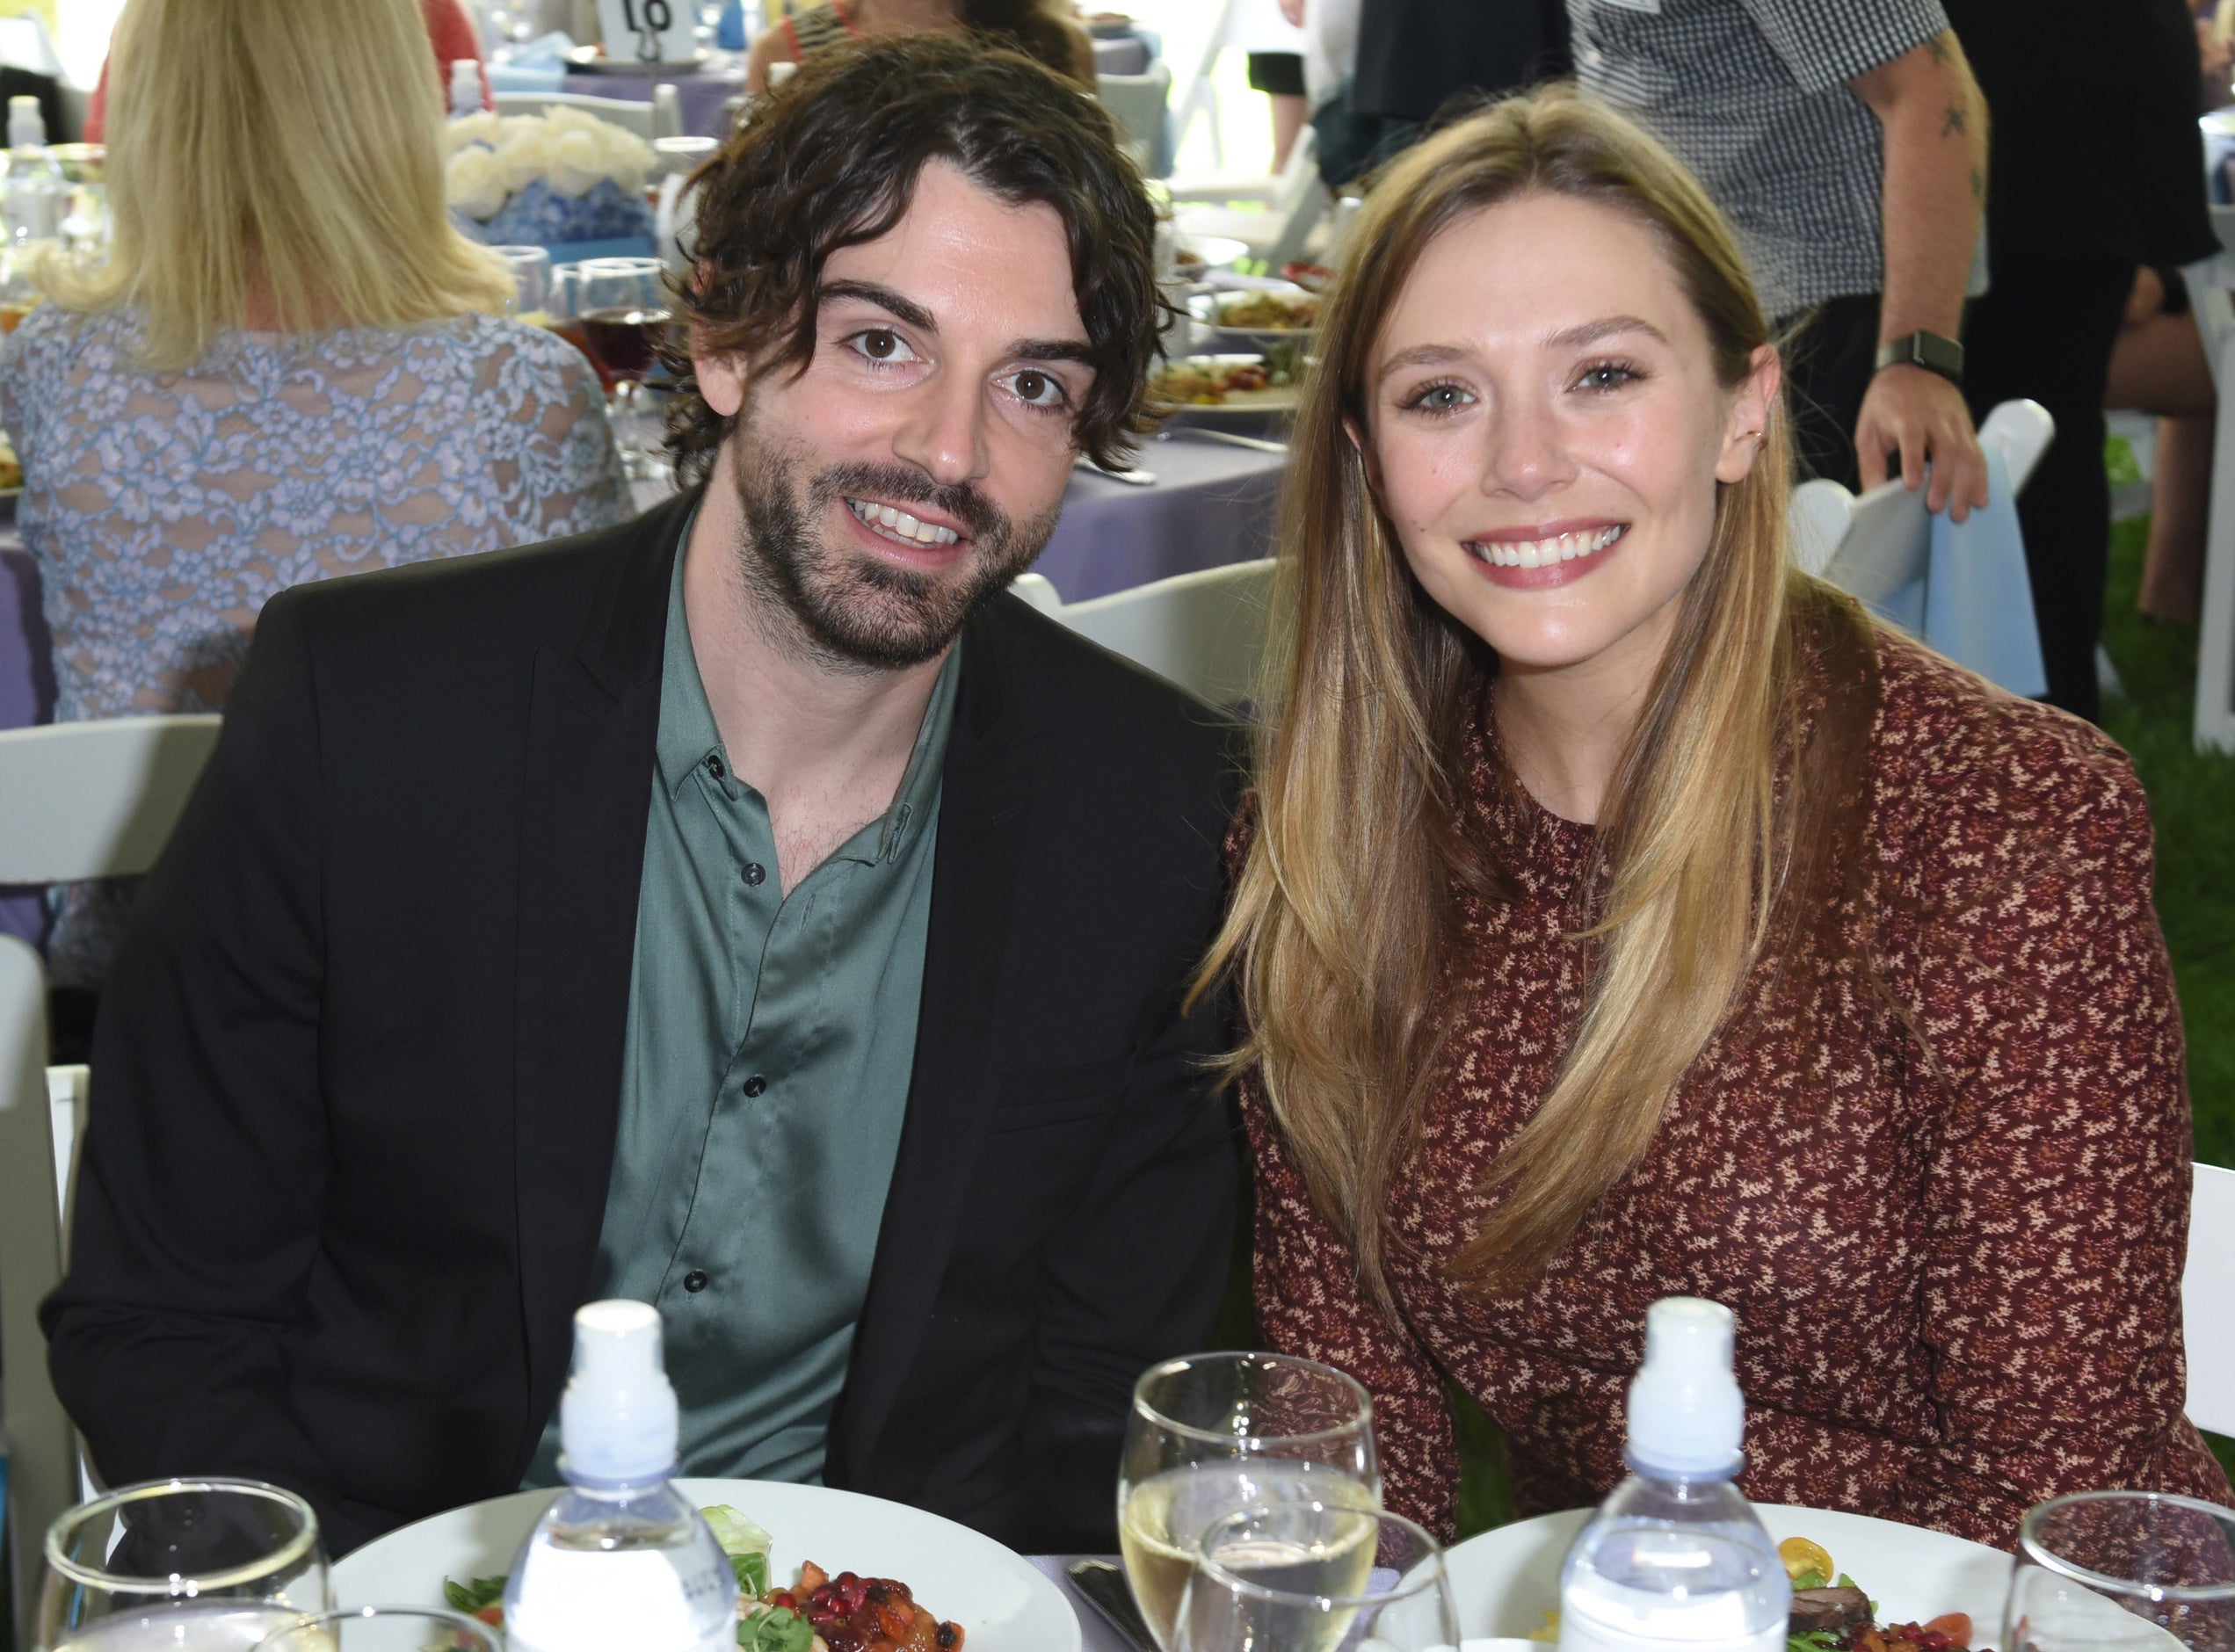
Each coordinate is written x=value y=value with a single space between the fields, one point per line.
x=703 y=92
x=1213 y=505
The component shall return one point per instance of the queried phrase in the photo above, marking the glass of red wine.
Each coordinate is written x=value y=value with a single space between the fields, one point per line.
x=621 y=309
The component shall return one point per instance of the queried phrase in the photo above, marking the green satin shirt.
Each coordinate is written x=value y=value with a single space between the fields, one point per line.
x=770 y=1044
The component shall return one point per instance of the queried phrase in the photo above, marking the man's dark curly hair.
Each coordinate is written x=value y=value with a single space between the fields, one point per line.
x=830 y=160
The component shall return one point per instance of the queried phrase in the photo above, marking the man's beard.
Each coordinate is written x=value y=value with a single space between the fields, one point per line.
x=851 y=610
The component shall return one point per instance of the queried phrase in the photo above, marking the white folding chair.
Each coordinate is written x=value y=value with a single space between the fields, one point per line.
x=661 y=118
x=1137 y=103
x=1293 y=201
x=2208 y=279
x=1204 y=631
x=86 y=800
x=1874 y=545
x=2208 y=1300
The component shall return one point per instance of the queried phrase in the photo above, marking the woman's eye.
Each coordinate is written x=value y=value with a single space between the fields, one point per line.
x=1438 y=398
x=1036 y=388
x=1607 y=375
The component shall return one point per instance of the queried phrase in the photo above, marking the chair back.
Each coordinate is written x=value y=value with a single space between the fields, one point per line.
x=95 y=799
x=2208 y=1300
x=42 y=1450
x=1873 y=545
x=1205 y=631
x=661 y=118
x=1137 y=103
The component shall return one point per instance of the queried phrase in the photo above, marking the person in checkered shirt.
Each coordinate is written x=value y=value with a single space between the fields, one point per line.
x=1846 y=139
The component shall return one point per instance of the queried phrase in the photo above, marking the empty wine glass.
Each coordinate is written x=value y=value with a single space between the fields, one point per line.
x=189 y=1565
x=386 y=1629
x=1315 y=1578
x=2123 y=1571
x=621 y=308
x=530 y=268
x=1214 y=1433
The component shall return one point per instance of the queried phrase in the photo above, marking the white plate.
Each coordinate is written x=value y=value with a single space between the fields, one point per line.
x=1002 y=1601
x=1242 y=405
x=1506 y=1580
x=1215 y=251
x=1210 y=307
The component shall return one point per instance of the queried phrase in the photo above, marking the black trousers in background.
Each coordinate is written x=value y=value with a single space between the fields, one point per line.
x=2046 y=330
x=1830 y=353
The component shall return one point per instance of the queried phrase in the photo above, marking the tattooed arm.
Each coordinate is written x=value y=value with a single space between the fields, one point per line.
x=1934 y=122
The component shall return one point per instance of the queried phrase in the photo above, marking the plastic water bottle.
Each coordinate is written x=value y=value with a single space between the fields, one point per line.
x=1676 y=1557
x=465 y=87
x=33 y=191
x=619 y=1560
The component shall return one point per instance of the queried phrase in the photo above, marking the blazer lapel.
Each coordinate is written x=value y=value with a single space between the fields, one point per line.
x=593 y=722
x=985 y=810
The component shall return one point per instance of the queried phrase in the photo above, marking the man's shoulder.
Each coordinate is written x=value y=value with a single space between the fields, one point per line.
x=1096 y=704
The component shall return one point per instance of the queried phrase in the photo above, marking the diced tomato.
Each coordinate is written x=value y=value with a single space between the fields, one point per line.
x=1956 y=1626
x=493 y=1613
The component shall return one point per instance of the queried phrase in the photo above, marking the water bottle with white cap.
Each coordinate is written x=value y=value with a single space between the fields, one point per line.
x=620 y=1559
x=33 y=191
x=1676 y=1558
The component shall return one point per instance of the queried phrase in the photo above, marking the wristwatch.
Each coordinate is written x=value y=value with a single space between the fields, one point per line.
x=1929 y=351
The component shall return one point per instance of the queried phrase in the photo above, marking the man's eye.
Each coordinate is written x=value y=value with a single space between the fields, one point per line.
x=881 y=343
x=1038 y=389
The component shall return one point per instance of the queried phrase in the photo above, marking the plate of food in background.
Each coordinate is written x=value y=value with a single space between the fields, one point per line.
x=1196 y=256
x=1254 y=317
x=1207 y=387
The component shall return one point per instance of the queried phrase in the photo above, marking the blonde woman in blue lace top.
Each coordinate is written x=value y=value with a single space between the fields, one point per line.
x=292 y=368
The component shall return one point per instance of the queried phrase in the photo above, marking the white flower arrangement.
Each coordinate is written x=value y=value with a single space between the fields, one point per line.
x=493 y=158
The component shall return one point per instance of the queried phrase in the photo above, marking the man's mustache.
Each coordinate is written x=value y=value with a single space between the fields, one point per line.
x=988 y=522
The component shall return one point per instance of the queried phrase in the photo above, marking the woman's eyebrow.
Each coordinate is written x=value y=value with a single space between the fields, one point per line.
x=1591 y=332
x=1420 y=355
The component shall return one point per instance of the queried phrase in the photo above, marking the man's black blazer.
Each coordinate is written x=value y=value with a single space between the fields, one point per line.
x=358 y=1068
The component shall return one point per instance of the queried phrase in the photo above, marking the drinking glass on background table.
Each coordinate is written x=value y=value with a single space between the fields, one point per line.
x=621 y=307
x=1300 y=1578
x=2123 y=1571
x=1211 y=1434
x=530 y=268
x=189 y=1565
x=386 y=1629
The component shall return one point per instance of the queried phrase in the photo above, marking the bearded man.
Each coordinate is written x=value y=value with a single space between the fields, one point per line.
x=754 y=909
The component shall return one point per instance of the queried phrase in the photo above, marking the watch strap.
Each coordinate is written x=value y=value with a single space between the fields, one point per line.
x=1935 y=353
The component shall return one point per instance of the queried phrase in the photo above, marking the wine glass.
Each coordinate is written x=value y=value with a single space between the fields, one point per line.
x=621 y=308
x=1214 y=1433
x=530 y=268
x=1304 y=1577
x=190 y=1565
x=2123 y=1571
x=386 y=1629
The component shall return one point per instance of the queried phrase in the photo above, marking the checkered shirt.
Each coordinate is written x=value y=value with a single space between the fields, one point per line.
x=1752 y=96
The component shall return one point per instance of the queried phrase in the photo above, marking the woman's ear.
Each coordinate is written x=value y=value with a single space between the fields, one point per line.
x=1364 y=455
x=1750 y=411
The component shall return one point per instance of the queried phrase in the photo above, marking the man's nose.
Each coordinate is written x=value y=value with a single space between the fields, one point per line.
x=944 y=432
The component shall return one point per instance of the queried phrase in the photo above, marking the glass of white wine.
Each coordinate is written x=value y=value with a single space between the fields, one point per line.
x=1211 y=1434
x=187 y=1565
x=1308 y=1577
x=386 y=1629
x=2123 y=1571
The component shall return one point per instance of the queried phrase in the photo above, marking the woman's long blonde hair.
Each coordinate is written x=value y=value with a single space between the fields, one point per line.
x=1721 y=819
x=290 y=149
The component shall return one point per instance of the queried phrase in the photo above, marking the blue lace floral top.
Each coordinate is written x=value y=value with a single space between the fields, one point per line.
x=165 y=511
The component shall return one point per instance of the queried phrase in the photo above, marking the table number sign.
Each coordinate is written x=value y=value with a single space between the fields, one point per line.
x=649 y=31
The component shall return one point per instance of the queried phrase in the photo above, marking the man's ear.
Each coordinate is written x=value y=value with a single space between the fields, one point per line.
x=721 y=381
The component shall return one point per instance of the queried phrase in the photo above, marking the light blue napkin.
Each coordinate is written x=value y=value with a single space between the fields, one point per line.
x=1975 y=602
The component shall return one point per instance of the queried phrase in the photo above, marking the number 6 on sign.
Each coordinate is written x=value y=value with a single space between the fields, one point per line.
x=649 y=31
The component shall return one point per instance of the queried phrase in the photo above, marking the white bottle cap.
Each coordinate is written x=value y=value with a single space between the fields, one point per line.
x=464 y=85
x=618 y=1419
x=27 y=126
x=1686 y=1416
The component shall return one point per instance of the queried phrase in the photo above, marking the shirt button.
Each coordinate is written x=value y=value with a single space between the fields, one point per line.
x=695 y=1281
x=754 y=873
x=714 y=765
x=755 y=1085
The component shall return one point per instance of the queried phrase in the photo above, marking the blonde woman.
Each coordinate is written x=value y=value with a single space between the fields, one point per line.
x=292 y=366
x=1620 y=914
